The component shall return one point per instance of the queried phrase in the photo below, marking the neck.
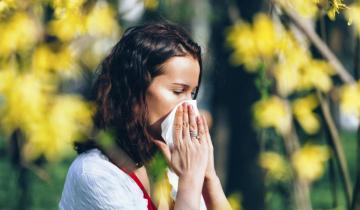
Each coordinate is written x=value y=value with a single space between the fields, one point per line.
x=122 y=160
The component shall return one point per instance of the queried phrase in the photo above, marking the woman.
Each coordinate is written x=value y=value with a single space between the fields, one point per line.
x=148 y=72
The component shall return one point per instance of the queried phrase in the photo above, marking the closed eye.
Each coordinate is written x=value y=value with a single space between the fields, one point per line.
x=178 y=92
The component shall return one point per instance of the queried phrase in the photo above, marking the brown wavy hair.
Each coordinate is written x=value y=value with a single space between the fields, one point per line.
x=123 y=79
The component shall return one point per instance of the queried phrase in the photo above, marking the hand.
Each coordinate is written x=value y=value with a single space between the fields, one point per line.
x=189 y=156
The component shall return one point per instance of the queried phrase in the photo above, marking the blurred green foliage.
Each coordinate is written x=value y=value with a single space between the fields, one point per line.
x=45 y=195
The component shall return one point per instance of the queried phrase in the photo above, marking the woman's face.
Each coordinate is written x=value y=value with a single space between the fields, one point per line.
x=177 y=83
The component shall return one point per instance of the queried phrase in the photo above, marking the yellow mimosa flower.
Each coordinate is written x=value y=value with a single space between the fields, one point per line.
x=253 y=45
x=240 y=38
x=68 y=120
x=309 y=162
x=234 y=201
x=66 y=6
x=353 y=16
x=350 y=98
x=25 y=102
x=287 y=78
x=151 y=4
x=62 y=61
x=287 y=70
x=50 y=123
x=265 y=35
x=6 y=5
x=275 y=166
x=273 y=112
x=42 y=59
x=162 y=192
x=101 y=21
x=7 y=78
x=335 y=6
x=68 y=26
x=17 y=34
x=303 y=112
x=30 y=71
x=316 y=73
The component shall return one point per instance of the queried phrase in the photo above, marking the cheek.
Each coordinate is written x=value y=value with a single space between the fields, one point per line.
x=160 y=103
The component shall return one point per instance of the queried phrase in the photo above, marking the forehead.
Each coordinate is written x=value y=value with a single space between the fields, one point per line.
x=181 y=69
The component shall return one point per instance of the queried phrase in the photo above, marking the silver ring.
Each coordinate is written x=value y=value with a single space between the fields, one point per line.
x=194 y=134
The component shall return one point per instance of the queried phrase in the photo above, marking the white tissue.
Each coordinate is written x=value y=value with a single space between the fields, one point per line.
x=167 y=129
x=167 y=126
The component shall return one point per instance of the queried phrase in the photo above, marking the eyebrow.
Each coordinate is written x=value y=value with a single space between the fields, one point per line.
x=183 y=84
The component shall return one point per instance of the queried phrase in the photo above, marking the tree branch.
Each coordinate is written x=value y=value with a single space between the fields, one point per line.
x=318 y=43
x=337 y=148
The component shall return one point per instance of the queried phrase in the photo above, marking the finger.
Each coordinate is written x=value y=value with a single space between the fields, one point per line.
x=201 y=129
x=185 y=125
x=164 y=148
x=193 y=125
x=206 y=127
x=178 y=126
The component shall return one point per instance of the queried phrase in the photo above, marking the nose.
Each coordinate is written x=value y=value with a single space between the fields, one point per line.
x=188 y=96
x=185 y=98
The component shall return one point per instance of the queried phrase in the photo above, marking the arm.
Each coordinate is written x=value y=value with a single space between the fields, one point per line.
x=214 y=195
x=189 y=193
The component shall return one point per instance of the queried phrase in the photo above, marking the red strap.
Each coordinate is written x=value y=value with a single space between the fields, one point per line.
x=151 y=205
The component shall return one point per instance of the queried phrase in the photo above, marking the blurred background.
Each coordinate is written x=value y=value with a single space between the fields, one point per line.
x=281 y=91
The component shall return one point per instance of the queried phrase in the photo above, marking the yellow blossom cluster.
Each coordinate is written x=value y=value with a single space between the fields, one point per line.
x=335 y=7
x=151 y=4
x=235 y=200
x=32 y=67
x=350 y=99
x=71 y=20
x=288 y=61
x=62 y=61
x=96 y=26
x=353 y=16
x=298 y=71
x=50 y=122
x=273 y=112
x=6 y=5
x=162 y=192
x=292 y=67
x=253 y=44
x=312 y=8
x=276 y=112
x=275 y=166
x=303 y=112
x=19 y=33
x=309 y=162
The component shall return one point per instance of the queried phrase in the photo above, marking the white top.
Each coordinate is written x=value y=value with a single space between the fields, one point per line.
x=95 y=183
